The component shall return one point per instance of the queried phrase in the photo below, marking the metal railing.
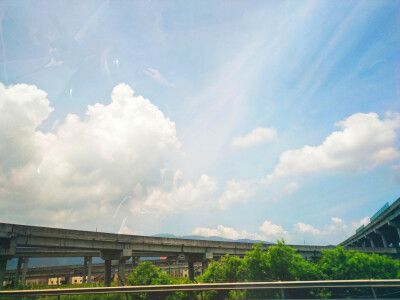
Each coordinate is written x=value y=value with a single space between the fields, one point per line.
x=209 y=286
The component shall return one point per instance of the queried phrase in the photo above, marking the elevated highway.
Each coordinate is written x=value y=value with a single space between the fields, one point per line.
x=383 y=231
x=29 y=241
x=97 y=269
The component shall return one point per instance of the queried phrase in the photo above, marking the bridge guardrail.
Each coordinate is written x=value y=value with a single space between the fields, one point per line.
x=209 y=286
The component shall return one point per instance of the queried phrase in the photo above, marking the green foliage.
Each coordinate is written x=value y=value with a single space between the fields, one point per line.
x=148 y=274
x=339 y=264
x=256 y=264
x=286 y=265
x=228 y=269
x=280 y=262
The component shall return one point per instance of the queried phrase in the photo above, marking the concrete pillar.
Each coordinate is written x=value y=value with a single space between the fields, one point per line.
x=25 y=270
x=85 y=266
x=384 y=241
x=3 y=265
x=121 y=272
x=89 y=280
x=397 y=226
x=107 y=272
x=191 y=270
x=109 y=255
x=372 y=243
x=204 y=266
x=18 y=272
x=382 y=235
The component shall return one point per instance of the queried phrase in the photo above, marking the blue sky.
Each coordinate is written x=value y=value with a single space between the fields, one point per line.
x=260 y=119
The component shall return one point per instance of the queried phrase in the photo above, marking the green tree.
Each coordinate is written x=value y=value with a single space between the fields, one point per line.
x=228 y=269
x=286 y=265
x=280 y=262
x=148 y=274
x=256 y=264
x=339 y=264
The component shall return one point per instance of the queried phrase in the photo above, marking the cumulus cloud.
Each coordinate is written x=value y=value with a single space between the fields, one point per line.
x=268 y=232
x=255 y=137
x=226 y=232
x=179 y=196
x=157 y=76
x=306 y=228
x=84 y=168
x=335 y=232
x=272 y=230
x=363 y=221
x=22 y=108
x=363 y=142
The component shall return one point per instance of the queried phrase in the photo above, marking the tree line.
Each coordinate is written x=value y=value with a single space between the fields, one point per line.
x=279 y=263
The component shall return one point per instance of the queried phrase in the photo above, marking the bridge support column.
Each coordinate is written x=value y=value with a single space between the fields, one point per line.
x=384 y=241
x=3 y=265
x=108 y=256
x=107 y=272
x=25 y=270
x=397 y=226
x=191 y=270
x=18 y=272
x=371 y=241
x=89 y=279
x=121 y=272
x=383 y=237
x=192 y=258
x=85 y=267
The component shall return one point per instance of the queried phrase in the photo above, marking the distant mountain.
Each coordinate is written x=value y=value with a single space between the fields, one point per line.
x=208 y=238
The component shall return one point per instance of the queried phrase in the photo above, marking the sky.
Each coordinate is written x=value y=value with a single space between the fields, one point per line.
x=240 y=119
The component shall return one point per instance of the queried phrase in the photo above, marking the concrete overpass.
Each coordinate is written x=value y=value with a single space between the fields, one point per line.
x=383 y=230
x=27 y=241
x=97 y=269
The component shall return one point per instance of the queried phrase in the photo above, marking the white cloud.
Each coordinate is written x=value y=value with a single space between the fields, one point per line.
x=292 y=186
x=22 y=108
x=157 y=76
x=226 y=232
x=83 y=169
x=335 y=232
x=127 y=230
x=236 y=192
x=255 y=137
x=178 y=196
x=364 y=142
x=363 y=221
x=268 y=232
x=272 y=230
x=306 y=228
